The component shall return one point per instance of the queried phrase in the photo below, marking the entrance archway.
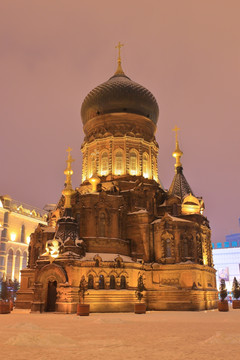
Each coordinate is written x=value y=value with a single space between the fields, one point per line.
x=51 y=295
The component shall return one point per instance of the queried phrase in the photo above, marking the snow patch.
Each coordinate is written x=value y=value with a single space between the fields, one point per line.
x=40 y=339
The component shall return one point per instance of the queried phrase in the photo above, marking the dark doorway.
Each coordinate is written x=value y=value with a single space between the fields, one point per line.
x=51 y=296
x=101 y=282
x=112 y=282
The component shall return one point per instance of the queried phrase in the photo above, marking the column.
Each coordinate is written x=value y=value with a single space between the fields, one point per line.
x=20 y=267
x=3 y=242
x=6 y=263
x=13 y=267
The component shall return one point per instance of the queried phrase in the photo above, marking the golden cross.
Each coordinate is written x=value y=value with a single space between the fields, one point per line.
x=69 y=159
x=176 y=129
x=119 y=49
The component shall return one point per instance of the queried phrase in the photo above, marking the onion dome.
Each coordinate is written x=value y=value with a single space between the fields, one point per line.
x=119 y=94
x=191 y=205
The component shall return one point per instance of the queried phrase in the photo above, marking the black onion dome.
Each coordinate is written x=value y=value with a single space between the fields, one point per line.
x=119 y=94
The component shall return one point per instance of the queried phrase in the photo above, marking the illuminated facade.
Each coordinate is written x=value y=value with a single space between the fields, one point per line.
x=17 y=222
x=226 y=258
x=120 y=223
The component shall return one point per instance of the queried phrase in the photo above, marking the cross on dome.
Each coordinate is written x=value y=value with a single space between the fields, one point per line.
x=176 y=129
x=119 y=49
x=177 y=153
x=119 y=70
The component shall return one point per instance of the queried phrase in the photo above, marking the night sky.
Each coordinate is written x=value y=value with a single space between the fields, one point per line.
x=187 y=53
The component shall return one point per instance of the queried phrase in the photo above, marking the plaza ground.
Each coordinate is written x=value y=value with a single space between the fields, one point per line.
x=155 y=335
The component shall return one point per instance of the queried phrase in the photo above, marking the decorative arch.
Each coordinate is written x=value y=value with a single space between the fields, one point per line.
x=17 y=265
x=118 y=261
x=101 y=281
x=123 y=282
x=112 y=283
x=167 y=240
x=52 y=272
x=113 y=272
x=9 y=263
x=118 y=162
x=104 y=163
x=92 y=165
x=102 y=272
x=124 y=273
x=92 y=272
x=90 y=281
x=133 y=162
x=186 y=246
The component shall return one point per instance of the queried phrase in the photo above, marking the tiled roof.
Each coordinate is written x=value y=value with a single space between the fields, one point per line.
x=180 y=186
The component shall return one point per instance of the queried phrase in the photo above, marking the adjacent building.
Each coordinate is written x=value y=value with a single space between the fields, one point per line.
x=226 y=258
x=17 y=222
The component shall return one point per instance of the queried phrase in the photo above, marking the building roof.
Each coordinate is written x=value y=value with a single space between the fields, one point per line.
x=119 y=94
x=180 y=186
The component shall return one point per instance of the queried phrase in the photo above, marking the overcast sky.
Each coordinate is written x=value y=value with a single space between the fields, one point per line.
x=187 y=53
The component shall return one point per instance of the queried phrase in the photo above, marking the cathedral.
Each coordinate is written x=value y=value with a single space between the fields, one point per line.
x=120 y=224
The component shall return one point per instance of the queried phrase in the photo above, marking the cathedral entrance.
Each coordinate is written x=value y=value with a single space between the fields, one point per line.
x=51 y=295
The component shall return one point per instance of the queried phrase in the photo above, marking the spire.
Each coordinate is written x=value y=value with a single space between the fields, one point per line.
x=68 y=191
x=179 y=186
x=177 y=153
x=119 y=70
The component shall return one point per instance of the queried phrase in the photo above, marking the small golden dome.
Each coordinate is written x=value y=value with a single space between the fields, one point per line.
x=191 y=205
x=94 y=181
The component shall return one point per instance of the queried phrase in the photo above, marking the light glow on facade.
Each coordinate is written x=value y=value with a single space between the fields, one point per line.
x=13 y=236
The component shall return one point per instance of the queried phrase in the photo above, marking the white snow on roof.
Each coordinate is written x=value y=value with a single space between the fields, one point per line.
x=106 y=257
x=142 y=211
x=173 y=218
x=179 y=219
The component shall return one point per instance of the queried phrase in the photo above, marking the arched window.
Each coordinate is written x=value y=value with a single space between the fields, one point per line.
x=9 y=264
x=119 y=163
x=185 y=248
x=168 y=252
x=17 y=265
x=102 y=224
x=112 y=282
x=90 y=281
x=133 y=163
x=24 y=263
x=5 y=218
x=104 y=163
x=145 y=165
x=93 y=167
x=123 y=282
x=101 y=282
x=23 y=234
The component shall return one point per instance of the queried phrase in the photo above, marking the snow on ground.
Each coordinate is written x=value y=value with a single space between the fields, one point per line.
x=161 y=335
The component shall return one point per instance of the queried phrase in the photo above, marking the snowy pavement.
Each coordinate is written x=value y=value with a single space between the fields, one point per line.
x=156 y=335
